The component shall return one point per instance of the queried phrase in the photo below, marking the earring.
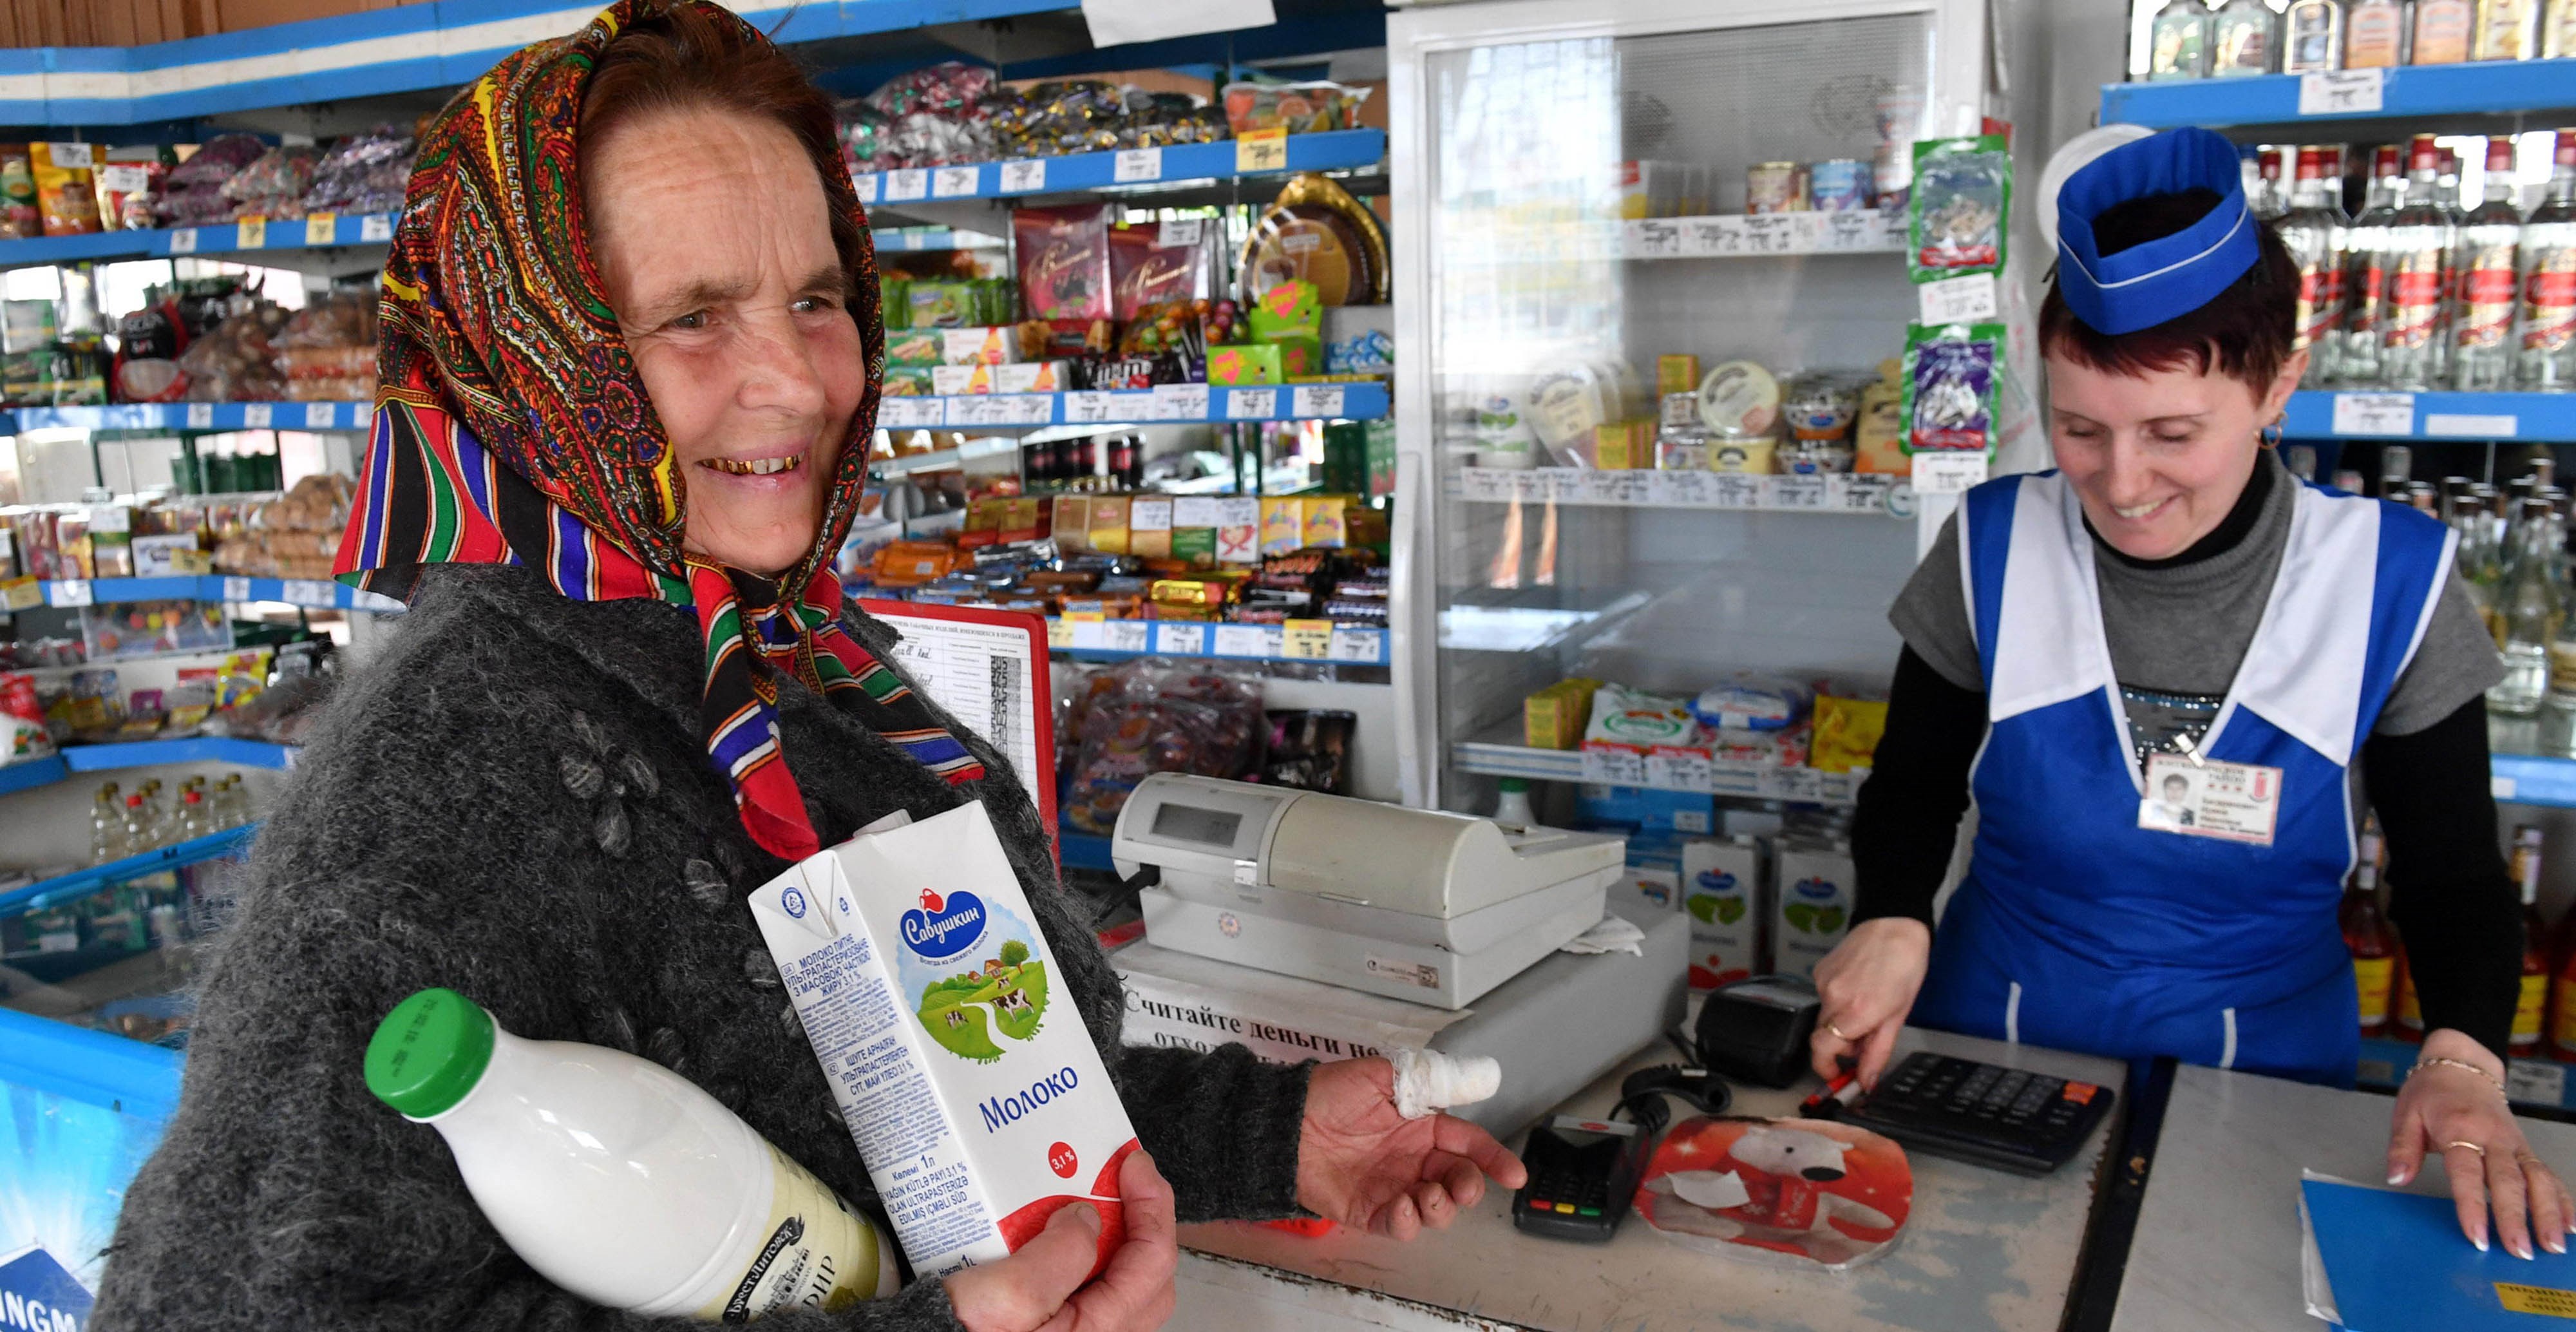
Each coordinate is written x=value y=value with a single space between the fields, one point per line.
x=2272 y=434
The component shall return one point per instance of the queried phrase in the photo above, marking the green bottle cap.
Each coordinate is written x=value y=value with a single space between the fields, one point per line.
x=1514 y=784
x=429 y=1052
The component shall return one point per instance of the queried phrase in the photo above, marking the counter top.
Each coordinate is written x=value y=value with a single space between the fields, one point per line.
x=1983 y=1249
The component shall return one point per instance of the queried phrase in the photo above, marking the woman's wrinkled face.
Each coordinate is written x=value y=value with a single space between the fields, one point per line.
x=2158 y=459
x=713 y=237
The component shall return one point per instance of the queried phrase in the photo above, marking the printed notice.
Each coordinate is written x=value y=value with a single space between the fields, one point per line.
x=1025 y=176
x=1137 y=164
x=2374 y=413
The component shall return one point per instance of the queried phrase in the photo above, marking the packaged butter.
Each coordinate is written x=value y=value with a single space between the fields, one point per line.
x=1554 y=717
x=973 y=1091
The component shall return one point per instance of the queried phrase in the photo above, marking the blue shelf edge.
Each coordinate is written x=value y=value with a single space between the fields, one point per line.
x=2466 y=418
x=32 y=773
x=82 y=882
x=1327 y=150
x=94 y=1067
x=192 y=416
x=2532 y=779
x=195 y=749
x=313 y=593
x=2490 y=87
x=1083 y=851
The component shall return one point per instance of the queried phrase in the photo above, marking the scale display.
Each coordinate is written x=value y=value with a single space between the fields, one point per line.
x=1188 y=823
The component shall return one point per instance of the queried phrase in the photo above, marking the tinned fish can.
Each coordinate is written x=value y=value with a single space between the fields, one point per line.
x=1774 y=187
x=1842 y=185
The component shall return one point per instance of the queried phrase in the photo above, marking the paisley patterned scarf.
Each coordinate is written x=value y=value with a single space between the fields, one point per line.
x=511 y=428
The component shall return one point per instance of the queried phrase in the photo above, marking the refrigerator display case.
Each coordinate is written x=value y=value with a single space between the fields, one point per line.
x=1571 y=186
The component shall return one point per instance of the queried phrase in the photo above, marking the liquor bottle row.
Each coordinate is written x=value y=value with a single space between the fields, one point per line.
x=141 y=820
x=2423 y=290
x=2512 y=554
x=2544 y=1013
x=2242 y=38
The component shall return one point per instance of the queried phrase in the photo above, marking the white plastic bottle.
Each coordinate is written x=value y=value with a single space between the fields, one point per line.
x=1514 y=805
x=619 y=1180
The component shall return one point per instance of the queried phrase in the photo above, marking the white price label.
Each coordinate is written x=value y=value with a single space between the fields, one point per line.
x=375 y=228
x=1859 y=494
x=1653 y=238
x=1246 y=640
x=2457 y=425
x=74 y=156
x=69 y=592
x=1483 y=484
x=183 y=241
x=2341 y=92
x=1712 y=236
x=1771 y=233
x=236 y=589
x=1617 y=767
x=201 y=416
x=866 y=184
x=901 y=413
x=2535 y=1082
x=1180 y=231
x=250 y=233
x=1125 y=635
x=307 y=592
x=1691 y=489
x=1181 y=640
x=1237 y=510
x=952 y=182
x=1308 y=402
x=1364 y=646
x=321 y=228
x=1737 y=490
x=1026 y=408
x=1678 y=770
x=1089 y=407
x=258 y=415
x=317 y=415
x=2374 y=413
x=1954 y=473
x=1860 y=229
x=1025 y=176
x=1796 y=492
x=1251 y=404
x=980 y=409
x=1959 y=300
x=123 y=179
x=907 y=183
x=1137 y=164
x=1180 y=402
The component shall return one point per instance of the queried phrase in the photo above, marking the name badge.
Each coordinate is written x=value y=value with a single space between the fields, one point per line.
x=2233 y=802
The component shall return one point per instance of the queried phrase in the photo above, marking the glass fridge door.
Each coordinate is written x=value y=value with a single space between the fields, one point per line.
x=1583 y=207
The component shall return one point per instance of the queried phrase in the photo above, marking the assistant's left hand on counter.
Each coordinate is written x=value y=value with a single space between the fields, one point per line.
x=1363 y=1164
x=2461 y=1114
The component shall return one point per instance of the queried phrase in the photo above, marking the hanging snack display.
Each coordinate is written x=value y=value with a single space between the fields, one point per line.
x=1317 y=231
x=1951 y=383
x=1962 y=194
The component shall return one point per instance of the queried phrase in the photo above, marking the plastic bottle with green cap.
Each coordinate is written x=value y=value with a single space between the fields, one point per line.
x=619 y=1180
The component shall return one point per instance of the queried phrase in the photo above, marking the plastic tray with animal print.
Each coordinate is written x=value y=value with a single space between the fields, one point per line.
x=1984 y=1114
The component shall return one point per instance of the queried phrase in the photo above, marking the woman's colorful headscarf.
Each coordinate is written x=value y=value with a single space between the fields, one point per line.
x=511 y=428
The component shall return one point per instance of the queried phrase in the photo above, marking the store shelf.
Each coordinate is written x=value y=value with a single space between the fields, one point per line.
x=1333 y=150
x=934 y=238
x=318 y=231
x=1700 y=776
x=2532 y=779
x=2411 y=92
x=1083 y=851
x=32 y=773
x=941 y=460
x=315 y=593
x=1845 y=494
x=1355 y=401
x=93 y=1067
x=2474 y=417
x=1717 y=236
x=196 y=749
x=1312 y=641
x=192 y=416
x=2542 y=1082
x=63 y=888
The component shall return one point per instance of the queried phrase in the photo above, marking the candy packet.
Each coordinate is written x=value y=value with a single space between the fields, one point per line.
x=1962 y=194
x=1951 y=376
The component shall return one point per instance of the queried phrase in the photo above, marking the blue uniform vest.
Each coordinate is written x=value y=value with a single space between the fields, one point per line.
x=2078 y=929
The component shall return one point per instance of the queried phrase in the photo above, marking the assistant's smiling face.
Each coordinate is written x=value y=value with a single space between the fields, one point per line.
x=2158 y=458
x=713 y=238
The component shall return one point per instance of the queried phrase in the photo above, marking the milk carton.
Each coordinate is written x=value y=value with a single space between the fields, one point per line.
x=1815 y=905
x=1724 y=892
x=932 y=1000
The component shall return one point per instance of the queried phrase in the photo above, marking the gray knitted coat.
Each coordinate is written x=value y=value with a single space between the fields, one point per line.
x=513 y=802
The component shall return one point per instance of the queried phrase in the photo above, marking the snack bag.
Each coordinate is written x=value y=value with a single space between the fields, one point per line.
x=1799 y=1193
x=1951 y=381
x=1847 y=731
x=1064 y=261
x=19 y=217
x=1156 y=263
x=927 y=990
x=1962 y=194
x=66 y=197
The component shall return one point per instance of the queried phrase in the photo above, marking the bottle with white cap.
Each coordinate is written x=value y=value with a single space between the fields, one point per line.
x=619 y=1180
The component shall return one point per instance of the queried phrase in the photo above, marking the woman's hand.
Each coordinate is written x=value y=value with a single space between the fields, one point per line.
x=2463 y=1116
x=1868 y=984
x=1362 y=1164
x=1040 y=1288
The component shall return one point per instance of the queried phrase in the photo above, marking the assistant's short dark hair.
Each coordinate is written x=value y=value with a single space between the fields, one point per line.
x=2246 y=332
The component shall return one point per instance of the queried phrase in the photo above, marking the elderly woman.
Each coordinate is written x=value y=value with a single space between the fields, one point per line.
x=630 y=366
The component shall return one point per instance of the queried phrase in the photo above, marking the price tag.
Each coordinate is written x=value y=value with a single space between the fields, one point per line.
x=1483 y=485
x=309 y=592
x=1251 y=404
x=320 y=228
x=201 y=416
x=914 y=412
x=1137 y=164
x=2374 y=413
x=250 y=233
x=74 y=156
x=952 y=182
x=317 y=415
x=1031 y=408
x=1797 y=783
x=1244 y=640
x=1953 y=473
x=1125 y=635
x=1859 y=494
x=980 y=409
x=1179 y=402
x=1687 y=489
x=1736 y=490
x=1653 y=238
x=1621 y=487
x=2458 y=425
x=1025 y=176
x=1711 y=237
x=1617 y=767
x=866 y=182
x=907 y=183
x=69 y=592
x=1089 y=629
x=376 y=228
x=1089 y=407
x=1857 y=230
x=123 y=179
x=1306 y=640
x=1308 y=402
x=2535 y=1082
x=2341 y=92
x=1261 y=150
x=1237 y=511
x=1679 y=770
x=258 y=415
x=1355 y=645
x=19 y=594
x=1181 y=640
x=1059 y=633
x=236 y=589
x=183 y=241
x=1770 y=233
x=1958 y=300
x=1179 y=233
x=1796 y=492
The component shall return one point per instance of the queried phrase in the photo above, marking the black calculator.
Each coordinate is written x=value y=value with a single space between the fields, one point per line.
x=1984 y=1114
x=1583 y=1173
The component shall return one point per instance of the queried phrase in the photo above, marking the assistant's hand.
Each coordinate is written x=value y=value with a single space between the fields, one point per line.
x=1362 y=1164
x=1868 y=984
x=2463 y=1116
x=1039 y=1288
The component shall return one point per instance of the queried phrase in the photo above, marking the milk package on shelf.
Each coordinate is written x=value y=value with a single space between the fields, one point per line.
x=973 y=1090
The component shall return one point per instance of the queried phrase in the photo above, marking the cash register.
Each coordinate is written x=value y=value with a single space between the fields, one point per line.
x=1413 y=904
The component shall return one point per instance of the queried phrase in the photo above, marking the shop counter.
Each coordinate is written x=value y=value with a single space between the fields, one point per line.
x=1982 y=1249
x=2218 y=1232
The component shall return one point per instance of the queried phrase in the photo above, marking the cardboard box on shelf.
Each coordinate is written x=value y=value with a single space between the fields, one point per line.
x=1072 y=522
x=1814 y=905
x=1554 y=717
x=1729 y=903
x=1109 y=524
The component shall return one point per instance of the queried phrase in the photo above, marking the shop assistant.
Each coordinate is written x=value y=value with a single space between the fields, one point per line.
x=2171 y=623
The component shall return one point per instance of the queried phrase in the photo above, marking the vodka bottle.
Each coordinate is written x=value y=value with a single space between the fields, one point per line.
x=2245 y=40
x=2365 y=271
x=2313 y=230
x=2274 y=202
x=2442 y=29
x=106 y=827
x=192 y=820
x=2374 y=34
x=2417 y=269
x=2482 y=333
x=2532 y=617
x=2548 y=354
x=2179 y=45
x=140 y=835
x=2312 y=36
x=2507 y=29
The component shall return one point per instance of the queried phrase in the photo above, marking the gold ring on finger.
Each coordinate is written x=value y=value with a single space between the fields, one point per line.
x=2463 y=1142
x=1839 y=1033
x=2527 y=1157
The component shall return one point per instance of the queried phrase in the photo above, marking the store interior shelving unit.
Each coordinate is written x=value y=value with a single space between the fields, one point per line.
x=2484 y=98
